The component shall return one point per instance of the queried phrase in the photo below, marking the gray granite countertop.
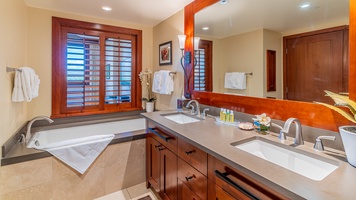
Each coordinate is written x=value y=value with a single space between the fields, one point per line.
x=216 y=139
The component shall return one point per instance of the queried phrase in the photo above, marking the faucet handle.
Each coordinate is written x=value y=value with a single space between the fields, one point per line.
x=319 y=143
x=282 y=134
x=192 y=111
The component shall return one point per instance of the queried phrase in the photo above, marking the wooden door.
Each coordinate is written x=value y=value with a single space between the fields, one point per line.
x=315 y=62
x=169 y=183
x=153 y=163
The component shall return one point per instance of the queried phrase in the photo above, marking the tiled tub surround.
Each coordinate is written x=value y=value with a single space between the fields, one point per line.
x=215 y=139
x=33 y=174
x=119 y=166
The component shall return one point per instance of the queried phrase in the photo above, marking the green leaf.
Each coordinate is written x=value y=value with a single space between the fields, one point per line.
x=342 y=100
x=340 y=111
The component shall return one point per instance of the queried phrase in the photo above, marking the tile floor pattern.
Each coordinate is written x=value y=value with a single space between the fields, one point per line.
x=136 y=192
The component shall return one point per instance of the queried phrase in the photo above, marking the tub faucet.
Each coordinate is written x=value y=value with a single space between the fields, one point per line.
x=197 y=106
x=298 y=130
x=29 y=126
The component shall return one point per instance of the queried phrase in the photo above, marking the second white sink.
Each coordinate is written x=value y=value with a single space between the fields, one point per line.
x=181 y=118
x=311 y=166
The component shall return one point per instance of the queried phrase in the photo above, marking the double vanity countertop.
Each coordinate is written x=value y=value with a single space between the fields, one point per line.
x=216 y=139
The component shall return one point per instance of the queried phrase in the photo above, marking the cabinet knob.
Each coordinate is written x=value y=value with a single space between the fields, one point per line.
x=189 y=152
x=189 y=177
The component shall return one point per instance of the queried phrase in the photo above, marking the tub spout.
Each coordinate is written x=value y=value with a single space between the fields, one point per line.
x=29 y=125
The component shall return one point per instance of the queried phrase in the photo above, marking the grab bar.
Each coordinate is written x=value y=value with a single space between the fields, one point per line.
x=223 y=176
x=158 y=134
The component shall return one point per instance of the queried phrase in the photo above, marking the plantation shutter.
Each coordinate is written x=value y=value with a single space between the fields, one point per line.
x=118 y=70
x=199 y=70
x=83 y=70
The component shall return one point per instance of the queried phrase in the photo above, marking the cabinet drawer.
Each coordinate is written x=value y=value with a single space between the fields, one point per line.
x=164 y=137
x=192 y=178
x=217 y=193
x=184 y=193
x=193 y=155
x=238 y=184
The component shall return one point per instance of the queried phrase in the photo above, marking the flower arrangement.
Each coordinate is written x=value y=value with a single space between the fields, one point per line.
x=145 y=78
x=341 y=100
x=262 y=122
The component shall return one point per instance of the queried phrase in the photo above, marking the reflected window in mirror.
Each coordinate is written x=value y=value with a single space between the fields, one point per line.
x=203 y=69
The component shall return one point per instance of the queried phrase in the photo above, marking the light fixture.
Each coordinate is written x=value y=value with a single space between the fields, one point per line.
x=106 y=8
x=306 y=5
x=186 y=59
x=205 y=28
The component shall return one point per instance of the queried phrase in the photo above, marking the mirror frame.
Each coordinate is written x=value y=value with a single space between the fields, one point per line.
x=309 y=114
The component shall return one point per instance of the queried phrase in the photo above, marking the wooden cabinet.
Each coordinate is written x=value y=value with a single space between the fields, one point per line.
x=238 y=184
x=161 y=164
x=217 y=193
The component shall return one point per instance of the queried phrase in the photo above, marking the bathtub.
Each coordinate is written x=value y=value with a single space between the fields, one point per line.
x=46 y=137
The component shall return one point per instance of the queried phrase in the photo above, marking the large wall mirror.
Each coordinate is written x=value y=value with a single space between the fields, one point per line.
x=242 y=32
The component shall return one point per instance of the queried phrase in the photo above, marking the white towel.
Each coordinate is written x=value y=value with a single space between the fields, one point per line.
x=79 y=153
x=235 y=80
x=26 y=82
x=157 y=82
x=17 y=93
x=162 y=82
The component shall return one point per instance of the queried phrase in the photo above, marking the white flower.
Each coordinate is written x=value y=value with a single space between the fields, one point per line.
x=263 y=119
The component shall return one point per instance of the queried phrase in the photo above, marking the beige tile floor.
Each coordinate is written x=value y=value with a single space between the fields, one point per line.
x=131 y=193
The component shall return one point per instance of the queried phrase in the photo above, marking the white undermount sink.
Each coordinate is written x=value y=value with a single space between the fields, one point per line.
x=304 y=163
x=181 y=118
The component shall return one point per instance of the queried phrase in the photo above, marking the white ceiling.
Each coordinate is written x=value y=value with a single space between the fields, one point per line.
x=143 y=12
x=240 y=16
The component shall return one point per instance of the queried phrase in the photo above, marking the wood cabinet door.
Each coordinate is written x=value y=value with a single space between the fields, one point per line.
x=153 y=163
x=184 y=193
x=169 y=183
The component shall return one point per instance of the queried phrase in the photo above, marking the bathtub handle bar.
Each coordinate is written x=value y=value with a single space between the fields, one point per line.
x=165 y=138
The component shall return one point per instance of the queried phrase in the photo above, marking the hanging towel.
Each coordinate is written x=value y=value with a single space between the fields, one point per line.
x=26 y=83
x=79 y=153
x=235 y=80
x=157 y=82
x=17 y=93
x=162 y=82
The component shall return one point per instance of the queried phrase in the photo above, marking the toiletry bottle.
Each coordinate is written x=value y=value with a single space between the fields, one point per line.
x=232 y=118
x=224 y=115
x=227 y=116
x=221 y=114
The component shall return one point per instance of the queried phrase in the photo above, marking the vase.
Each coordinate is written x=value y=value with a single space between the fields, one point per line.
x=150 y=106
x=348 y=137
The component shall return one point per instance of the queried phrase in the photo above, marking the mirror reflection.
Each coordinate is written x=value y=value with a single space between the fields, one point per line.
x=287 y=49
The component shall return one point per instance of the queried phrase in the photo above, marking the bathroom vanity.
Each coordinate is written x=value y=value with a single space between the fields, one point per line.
x=199 y=160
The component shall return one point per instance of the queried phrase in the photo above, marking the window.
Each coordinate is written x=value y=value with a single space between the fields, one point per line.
x=95 y=68
x=203 y=69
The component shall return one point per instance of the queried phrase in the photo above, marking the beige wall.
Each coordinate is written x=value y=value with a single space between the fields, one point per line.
x=166 y=31
x=13 y=49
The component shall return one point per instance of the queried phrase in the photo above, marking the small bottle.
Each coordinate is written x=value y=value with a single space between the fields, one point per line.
x=224 y=114
x=232 y=118
x=227 y=116
x=221 y=113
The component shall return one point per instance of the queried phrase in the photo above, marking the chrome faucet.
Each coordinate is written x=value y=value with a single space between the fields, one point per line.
x=298 y=130
x=29 y=125
x=197 y=106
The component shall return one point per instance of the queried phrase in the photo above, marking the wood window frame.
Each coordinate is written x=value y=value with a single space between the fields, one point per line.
x=59 y=93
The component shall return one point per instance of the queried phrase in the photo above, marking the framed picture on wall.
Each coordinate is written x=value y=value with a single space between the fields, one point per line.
x=165 y=53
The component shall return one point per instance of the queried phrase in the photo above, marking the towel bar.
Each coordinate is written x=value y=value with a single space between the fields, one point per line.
x=250 y=73
x=11 y=69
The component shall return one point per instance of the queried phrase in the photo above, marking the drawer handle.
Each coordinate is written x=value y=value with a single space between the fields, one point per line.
x=160 y=149
x=223 y=176
x=189 y=152
x=189 y=177
x=156 y=146
x=158 y=134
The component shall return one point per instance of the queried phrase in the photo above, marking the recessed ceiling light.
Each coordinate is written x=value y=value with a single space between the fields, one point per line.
x=106 y=8
x=205 y=28
x=306 y=5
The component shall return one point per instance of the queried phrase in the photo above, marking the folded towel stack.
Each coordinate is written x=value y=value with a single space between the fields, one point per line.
x=79 y=153
x=26 y=85
x=235 y=80
x=162 y=82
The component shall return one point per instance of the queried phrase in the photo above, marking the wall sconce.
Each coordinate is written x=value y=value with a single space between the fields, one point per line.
x=186 y=56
